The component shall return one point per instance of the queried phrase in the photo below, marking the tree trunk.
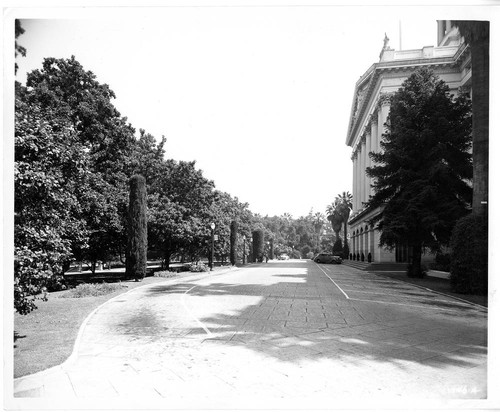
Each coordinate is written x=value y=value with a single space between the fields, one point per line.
x=345 y=232
x=415 y=269
x=480 y=117
x=167 y=255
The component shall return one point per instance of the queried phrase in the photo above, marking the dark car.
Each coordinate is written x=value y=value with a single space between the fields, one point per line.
x=327 y=258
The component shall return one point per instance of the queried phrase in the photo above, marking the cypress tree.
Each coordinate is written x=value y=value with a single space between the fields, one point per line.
x=258 y=245
x=232 y=240
x=136 y=258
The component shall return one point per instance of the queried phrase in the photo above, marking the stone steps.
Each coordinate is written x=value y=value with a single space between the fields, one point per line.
x=356 y=264
x=376 y=267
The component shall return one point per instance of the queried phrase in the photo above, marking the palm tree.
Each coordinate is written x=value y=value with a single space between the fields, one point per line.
x=344 y=202
x=335 y=218
x=318 y=224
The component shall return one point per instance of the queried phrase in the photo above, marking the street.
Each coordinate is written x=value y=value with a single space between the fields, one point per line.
x=281 y=331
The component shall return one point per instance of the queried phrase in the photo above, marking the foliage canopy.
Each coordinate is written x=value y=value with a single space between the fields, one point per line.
x=422 y=175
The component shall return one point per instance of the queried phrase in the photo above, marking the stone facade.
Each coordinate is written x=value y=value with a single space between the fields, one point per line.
x=450 y=60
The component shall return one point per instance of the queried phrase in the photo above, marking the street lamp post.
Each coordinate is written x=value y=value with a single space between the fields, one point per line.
x=212 y=226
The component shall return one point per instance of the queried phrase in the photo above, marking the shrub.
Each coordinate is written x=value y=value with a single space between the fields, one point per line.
x=410 y=271
x=309 y=255
x=337 y=247
x=56 y=283
x=469 y=256
x=305 y=250
x=92 y=289
x=345 y=251
x=295 y=254
x=165 y=274
x=199 y=267
x=442 y=262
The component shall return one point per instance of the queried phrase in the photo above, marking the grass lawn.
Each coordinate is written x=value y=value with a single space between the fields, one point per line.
x=46 y=336
x=438 y=285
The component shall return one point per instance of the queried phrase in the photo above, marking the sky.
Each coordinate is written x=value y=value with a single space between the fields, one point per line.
x=259 y=97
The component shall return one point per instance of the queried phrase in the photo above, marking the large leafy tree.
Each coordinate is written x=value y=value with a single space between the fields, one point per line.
x=422 y=176
x=70 y=92
x=147 y=157
x=179 y=208
x=72 y=161
x=50 y=169
x=19 y=50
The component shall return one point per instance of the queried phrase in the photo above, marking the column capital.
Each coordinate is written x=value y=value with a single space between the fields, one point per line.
x=384 y=99
x=367 y=131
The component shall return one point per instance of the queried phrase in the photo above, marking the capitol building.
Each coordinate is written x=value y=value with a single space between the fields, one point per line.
x=451 y=61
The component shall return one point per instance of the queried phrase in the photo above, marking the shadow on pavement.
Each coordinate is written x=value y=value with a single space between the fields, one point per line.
x=303 y=317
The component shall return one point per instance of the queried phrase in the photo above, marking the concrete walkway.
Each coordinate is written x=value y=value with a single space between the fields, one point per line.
x=288 y=334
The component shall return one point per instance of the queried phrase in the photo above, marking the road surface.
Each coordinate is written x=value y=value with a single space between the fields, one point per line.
x=286 y=332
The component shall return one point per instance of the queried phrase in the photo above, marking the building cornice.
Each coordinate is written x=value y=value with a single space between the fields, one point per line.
x=367 y=82
x=364 y=214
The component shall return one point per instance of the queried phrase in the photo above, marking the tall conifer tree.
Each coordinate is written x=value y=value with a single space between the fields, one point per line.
x=232 y=239
x=136 y=261
x=422 y=176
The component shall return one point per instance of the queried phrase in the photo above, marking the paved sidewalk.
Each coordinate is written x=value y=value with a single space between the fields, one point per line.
x=284 y=332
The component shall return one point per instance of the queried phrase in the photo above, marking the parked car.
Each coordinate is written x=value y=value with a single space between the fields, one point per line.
x=327 y=258
x=283 y=257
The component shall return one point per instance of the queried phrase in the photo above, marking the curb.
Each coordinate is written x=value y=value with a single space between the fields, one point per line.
x=477 y=305
x=73 y=355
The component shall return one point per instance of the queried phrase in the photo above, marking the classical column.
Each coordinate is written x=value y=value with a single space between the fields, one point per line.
x=368 y=163
x=371 y=243
x=367 y=244
x=353 y=244
x=374 y=143
x=382 y=117
x=358 y=174
x=354 y=177
x=363 y=172
x=448 y=26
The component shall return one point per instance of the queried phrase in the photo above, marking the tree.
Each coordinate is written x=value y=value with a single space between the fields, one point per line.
x=422 y=175
x=233 y=239
x=318 y=225
x=147 y=157
x=18 y=48
x=344 y=207
x=137 y=246
x=335 y=218
x=469 y=265
x=477 y=35
x=258 y=245
x=179 y=210
x=48 y=168
x=68 y=91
